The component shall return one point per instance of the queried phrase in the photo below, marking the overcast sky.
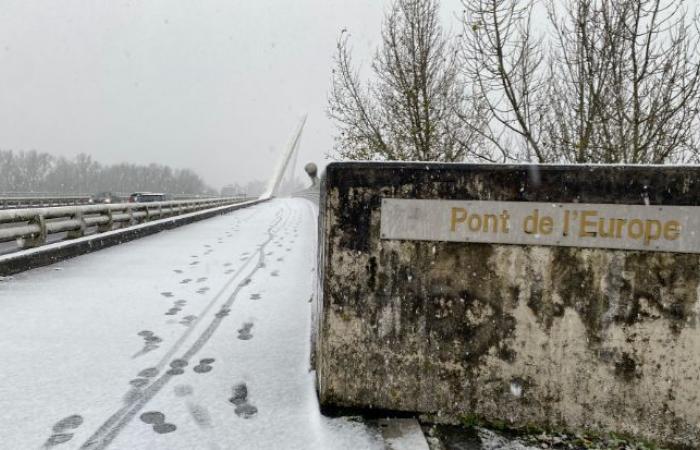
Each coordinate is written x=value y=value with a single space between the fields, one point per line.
x=213 y=85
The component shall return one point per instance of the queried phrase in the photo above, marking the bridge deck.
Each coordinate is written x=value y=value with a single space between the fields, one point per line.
x=192 y=338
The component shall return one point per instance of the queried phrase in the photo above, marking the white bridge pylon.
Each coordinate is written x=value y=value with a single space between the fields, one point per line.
x=286 y=157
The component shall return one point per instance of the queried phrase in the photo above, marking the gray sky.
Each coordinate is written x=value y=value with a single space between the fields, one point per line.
x=214 y=85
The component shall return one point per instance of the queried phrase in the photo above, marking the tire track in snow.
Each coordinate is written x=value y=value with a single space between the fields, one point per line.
x=115 y=423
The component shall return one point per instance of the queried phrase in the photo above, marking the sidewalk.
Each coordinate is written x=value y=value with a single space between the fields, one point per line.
x=192 y=338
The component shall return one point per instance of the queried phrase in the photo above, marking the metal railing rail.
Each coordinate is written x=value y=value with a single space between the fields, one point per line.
x=18 y=201
x=30 y=227
x=8 y=201
x=30 y=194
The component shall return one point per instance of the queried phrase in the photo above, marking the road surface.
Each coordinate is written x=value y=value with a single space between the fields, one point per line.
x=196 y=337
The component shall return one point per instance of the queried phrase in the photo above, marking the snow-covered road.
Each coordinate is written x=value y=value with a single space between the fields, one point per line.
x=192 y=338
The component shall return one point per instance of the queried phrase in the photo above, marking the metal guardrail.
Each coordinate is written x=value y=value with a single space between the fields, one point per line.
x=44 y=194
x=17 y=201
x=31 y=200
x=30 y=227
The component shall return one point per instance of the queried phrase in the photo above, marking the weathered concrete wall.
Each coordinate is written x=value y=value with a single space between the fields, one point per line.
x=550 y=336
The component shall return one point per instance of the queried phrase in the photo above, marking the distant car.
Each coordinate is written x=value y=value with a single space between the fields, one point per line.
x=105 y=197
x=144 y=197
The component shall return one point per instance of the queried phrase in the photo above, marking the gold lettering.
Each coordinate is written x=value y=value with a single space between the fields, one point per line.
x=493 y=219
x=619 y=223
x=672 y=230
x=505 y=218
x=601 y=228
x=652 y=231
x=475 y=222
x=590 y=225
x=640 y=229
x=585 y=223
x=546 y=225
x=531 y=222
x=459 y=215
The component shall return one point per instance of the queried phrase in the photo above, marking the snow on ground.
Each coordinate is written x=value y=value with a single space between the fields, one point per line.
x=196 y=337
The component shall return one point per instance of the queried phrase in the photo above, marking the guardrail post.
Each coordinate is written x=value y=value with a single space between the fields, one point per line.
x=80 y=232
x=130 y=212
x=107 y=226
x=34 y=240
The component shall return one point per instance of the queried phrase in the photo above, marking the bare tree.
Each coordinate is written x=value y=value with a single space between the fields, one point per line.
x=416 y=106
x=503 y=61
x=618 y=83
x=30 y=167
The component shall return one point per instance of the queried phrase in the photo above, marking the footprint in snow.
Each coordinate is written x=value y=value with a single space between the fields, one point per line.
x=177 y=367
x=223 y=312
x=183 y=390
x=200 y=415
x=204 y=365
x=61 y=430
x=149 y=372
x=187 y=320
x=157 y=420
x=173 y=311
x=150 y=342
x=240 y=399
x=244 y=333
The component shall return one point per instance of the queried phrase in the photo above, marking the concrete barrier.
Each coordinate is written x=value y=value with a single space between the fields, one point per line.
x=527 y=328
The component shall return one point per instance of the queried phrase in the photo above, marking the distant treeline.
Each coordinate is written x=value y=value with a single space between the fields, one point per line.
x=32 y=171
x=251 y=189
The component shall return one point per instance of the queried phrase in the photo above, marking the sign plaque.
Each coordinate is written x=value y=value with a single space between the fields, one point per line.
x=626 y=227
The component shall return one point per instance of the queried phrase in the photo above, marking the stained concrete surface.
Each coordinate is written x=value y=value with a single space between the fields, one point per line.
x=585 y=339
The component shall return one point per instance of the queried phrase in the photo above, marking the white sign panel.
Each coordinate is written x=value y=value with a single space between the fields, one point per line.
x=631 y=227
